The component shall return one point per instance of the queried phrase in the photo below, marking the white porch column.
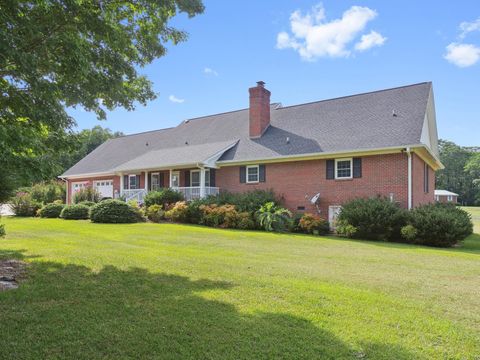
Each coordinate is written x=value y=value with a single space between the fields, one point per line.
x=170 y=180
x=121 y=184
x=146 y=180
x=202 y=183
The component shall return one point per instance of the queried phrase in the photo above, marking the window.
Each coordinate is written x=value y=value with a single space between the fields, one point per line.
x=252 y=174
x=155 y=181
x=195 y=178
x=437 y=197
x=132 y=182
x=343 y=168
x=175 y=179
x=79 y=185
x=450 y=198
x=425 y=178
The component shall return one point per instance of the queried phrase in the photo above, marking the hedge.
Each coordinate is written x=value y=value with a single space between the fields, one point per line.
x=51 y=210
x=75 y=212
x=114 y=211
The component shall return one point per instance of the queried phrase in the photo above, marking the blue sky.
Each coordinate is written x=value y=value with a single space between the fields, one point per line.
x=334 y=48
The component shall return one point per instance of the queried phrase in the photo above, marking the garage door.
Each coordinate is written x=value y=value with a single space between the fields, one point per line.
x=105 y=188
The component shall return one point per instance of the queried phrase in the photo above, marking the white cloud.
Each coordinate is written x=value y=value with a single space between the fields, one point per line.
x=468 y=27
x=210 y=71
x=462 y=55
x=314 y=37
x=174 y=99
x=370 y=40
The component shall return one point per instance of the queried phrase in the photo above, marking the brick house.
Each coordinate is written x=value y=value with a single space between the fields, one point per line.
x=315 y=155
x=445 y=196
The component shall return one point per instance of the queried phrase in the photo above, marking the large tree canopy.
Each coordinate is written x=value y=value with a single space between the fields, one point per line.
x=66 y=53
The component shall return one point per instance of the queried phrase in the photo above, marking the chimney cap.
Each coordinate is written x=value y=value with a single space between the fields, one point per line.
x=261 y=83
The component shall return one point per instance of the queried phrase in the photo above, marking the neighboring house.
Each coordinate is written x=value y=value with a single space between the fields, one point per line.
x=378 y=143
x=445 y=196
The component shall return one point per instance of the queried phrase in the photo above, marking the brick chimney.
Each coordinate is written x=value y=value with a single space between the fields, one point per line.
x=259 y=109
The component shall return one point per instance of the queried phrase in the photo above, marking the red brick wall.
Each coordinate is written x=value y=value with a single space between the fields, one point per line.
x=419 y=196
x=89 y=181
x=444 y=199
x=299 y=181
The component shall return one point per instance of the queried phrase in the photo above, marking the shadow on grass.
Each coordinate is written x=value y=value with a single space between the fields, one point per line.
x=68 y=311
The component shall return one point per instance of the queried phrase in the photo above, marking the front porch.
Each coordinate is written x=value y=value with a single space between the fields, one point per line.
x=193 y=183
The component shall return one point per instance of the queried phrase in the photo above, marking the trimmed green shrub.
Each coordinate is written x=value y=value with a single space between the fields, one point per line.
x=249 y=201
x=75 y=212
x=374 y=218
x=114 y=211
x=313 y=224
x=22 y=204
x=440 y=225
x=409 y=233
x=87 y=194
x=163 y=197
x=155 y=213
x=87 y=203
x=51 y=210
x=273 y=218
x=178 y=212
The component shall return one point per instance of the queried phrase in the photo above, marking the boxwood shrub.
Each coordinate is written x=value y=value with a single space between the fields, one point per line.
x=75 y=212
x=51 y=210
x=441 y=225
x=163 y=197
x=373 y=219
x=114 y=211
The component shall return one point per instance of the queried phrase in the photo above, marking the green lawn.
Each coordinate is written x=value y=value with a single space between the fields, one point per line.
x=174 y=291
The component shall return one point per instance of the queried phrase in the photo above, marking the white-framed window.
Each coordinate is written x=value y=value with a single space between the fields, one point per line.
x=132 y=182
x=155 y=178
x=450 y=198
x=195 y=178
x=344 y=168
x=76 y=186
x=175 y=179
x=253 y=173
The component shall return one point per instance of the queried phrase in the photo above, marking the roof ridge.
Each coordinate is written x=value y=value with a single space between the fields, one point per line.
x=352 y=95
x=143 y=132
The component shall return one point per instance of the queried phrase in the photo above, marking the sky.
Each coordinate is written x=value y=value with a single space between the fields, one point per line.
x=307 y=51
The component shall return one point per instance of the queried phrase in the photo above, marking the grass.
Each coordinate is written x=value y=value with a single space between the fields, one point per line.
x=188 y=292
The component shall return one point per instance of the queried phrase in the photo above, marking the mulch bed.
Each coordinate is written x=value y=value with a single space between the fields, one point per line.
x=11 y=273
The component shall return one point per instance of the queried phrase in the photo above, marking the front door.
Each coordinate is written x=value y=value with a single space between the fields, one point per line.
x=175 y=179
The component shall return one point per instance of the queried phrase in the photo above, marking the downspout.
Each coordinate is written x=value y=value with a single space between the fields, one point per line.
x=409 y=155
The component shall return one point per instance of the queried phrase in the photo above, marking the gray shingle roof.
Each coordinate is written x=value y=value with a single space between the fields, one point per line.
x=357 y=122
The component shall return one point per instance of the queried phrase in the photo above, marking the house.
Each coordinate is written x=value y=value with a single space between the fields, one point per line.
x=445 y=196
x=377 y=143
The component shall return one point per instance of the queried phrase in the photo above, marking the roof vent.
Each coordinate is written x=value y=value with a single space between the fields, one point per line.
x=187 y=121
x=186 y=142
x=146 y=144
x=288 y=140
x=394 y=113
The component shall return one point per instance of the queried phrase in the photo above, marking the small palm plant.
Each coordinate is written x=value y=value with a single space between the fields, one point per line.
x=273 y=218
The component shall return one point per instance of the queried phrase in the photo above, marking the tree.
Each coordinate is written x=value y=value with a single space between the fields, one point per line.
x=454 y=177
x=473 y=169
x=68 y=53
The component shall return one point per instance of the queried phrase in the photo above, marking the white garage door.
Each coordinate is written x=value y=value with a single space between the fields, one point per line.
x=105 y=188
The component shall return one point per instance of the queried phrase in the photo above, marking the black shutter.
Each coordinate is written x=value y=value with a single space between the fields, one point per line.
x=243 y=174
x=357 y=167
x=330 y=169
x=125 y=182
x=137 y=182
x=425 y=178
x=162 y=181
x=149 y=181
x=212 y=177
x=261 y=173
x=187 y=178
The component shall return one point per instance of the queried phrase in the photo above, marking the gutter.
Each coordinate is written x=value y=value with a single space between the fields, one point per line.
x=410 y=197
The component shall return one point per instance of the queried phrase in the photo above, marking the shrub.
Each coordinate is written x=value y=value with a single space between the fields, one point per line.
x=178 y=212
x=194 y=213
x=155 y=213
x=313 y=224
x=114 y=211
x=48 y=192
x=87 y=194
x=273 y=218
x=249 y=201
x=244 y=221
x=51 y=210
x=22 y=204
x=343 y=228
x=2 y=230
x=75 y=212
x=439 y=225
x=87 y=203
x=409 y=233
x=163 y=197
x=219 y=215
x=374 y=218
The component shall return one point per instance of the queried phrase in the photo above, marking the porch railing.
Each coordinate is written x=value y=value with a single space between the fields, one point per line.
x=135 y=194
x=194 y=192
